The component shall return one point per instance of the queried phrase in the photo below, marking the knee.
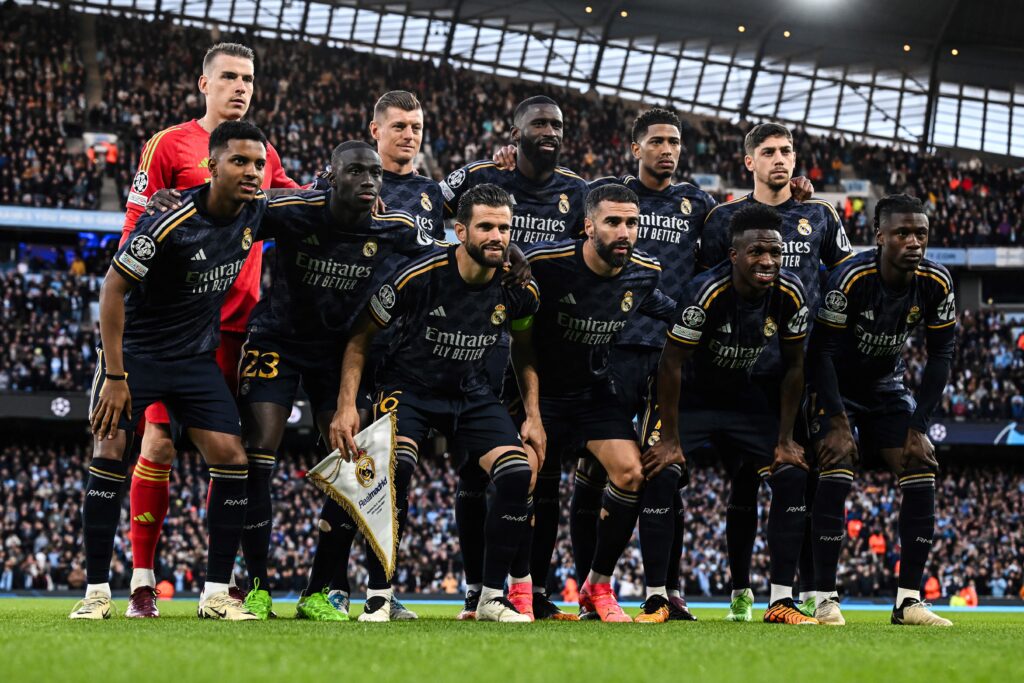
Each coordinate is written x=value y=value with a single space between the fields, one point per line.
x=511 y=474
x=158 y=447
x=226 y=451
x=629 y=478
x=789 y=478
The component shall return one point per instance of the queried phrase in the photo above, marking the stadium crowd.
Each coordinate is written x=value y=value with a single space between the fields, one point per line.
x=310 y=97
x=979 y=535
x=48 y=339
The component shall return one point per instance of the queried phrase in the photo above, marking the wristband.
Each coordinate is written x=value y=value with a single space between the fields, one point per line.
x=116 y=378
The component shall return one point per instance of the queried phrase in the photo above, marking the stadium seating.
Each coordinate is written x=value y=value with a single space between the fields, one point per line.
x=310 y=97
x=978 y=535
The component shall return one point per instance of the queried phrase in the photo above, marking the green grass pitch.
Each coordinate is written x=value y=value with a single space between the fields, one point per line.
x=38 y=643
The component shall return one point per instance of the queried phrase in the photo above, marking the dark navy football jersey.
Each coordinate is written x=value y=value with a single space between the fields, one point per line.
x=418 y=196
x=812 y=236
x=323 y=273
x=671 y=224
x=183 y=263
x=548 y=212
x=446 y=327
x=875 y=322
x=729 y=334
x=583 y=313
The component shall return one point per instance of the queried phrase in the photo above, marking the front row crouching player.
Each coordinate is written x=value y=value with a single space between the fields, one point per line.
x=158 y=345
x=593 y=288
x=450 y=308
x=728 y=316
x=872 y=304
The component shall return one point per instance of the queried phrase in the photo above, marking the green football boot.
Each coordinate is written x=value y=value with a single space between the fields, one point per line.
x=317 y=607
x=742 y=607
x=258 y=602
x=808 y=606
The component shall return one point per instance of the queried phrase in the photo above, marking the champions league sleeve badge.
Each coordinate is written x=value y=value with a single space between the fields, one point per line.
x=365 y=488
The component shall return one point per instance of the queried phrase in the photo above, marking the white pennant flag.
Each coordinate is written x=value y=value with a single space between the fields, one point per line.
x=365 y=488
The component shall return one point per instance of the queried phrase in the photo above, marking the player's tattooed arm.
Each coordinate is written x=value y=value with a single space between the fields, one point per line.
x=524 y=361
x=114 y=396
x=837 y=445
x=667 y=451
x=787 y=451
x=345 y=423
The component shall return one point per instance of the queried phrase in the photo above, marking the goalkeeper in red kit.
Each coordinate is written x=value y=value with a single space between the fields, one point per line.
x=176 y=159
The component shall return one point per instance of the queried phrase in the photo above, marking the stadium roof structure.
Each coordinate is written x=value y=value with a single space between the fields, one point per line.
x=944 y=73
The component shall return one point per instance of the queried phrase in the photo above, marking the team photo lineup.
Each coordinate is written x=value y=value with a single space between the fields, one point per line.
x=612 y=325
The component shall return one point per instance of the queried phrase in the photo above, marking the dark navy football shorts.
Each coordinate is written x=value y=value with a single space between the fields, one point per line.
x=193 y=390
x=572 y=421
x=632 y=369
x=272 y=368
x=739 y=434
x=474 y=424
x=880 y=422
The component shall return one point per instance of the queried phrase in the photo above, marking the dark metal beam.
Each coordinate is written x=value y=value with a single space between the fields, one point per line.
x=605 y=32
x=456 y=15
x=933 y=79
x=758 y=59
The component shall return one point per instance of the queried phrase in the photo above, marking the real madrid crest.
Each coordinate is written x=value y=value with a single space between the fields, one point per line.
x=370 y=248
x=804 y=227
x=498 y=317
x=425 y=202
x=627 y=301
x=770 y=328
x=914 y=315
x=685 y=207
x=366 y=471
x=247 y=239
x=654 y=438
x=563 y=203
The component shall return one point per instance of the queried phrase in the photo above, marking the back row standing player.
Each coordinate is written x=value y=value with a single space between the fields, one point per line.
x=812 y=237
x=178 y=158
x=548 y=204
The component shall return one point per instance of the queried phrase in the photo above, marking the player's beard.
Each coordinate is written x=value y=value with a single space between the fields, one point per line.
x=776 y=185
x=476 y=252
x=541 y=160
x=658 y=174
x=604 y=250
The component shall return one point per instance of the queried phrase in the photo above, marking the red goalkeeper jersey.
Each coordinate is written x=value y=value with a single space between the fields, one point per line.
x=177 y=158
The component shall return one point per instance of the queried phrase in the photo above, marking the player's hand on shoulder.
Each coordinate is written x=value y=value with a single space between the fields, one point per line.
x=344 y=427
x=802 y=188
x=918 y=451
x=517 y=268
x=659 y=456
x=114 y=398
x=505 y=158
x=163 y=200
x=789 y=452
x=837 y=445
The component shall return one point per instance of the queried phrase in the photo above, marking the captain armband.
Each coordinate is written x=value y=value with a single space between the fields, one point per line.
x=522 y=324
